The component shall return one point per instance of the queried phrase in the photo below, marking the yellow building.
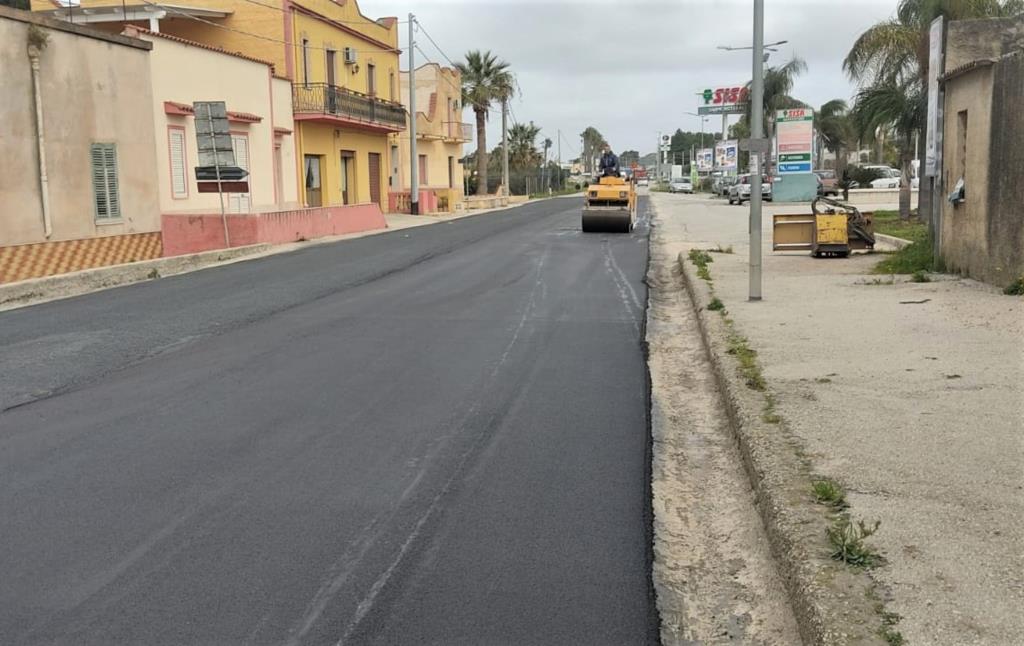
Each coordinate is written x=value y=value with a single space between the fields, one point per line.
x=440 y=136
x=342 y=65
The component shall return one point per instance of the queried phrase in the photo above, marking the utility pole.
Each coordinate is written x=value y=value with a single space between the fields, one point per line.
x=414 y=167
x=504 y=144
x=559 y=160
x=657 y=159
x=756 y=133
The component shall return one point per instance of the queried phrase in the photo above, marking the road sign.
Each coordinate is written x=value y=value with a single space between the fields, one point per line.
x=213 y=135
x=794 y=131
x=722 y=109
x=756 y=145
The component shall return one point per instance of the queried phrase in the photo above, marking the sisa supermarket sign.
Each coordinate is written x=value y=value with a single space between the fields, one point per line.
x=724 y=100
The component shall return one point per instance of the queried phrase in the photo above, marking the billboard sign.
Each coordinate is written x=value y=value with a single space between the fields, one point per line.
x=794 y=141
x=724 y=100
x=726 y=154
x=705 y=160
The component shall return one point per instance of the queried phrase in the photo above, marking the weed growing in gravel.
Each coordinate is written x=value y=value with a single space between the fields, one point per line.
x=847 y=539
x=701 y=259
x=716 y=305
x=891 y=280
x=920 y=276
x=829 y=492
x=888 y=631
x=747 y=357
x=1016 y=288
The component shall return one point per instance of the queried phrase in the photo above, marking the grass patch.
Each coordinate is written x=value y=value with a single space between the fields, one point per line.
x=916 y=257
x=1016 y=288
x=829 y=492
x=701 y=259
x=889 y=223
x=716 y=305
x=920 y=276
x=848 y=542
x=908 y=260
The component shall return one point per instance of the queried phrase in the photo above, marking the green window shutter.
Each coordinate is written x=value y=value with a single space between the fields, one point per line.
x=104 y=181
x=99 y=181
x=113 y=195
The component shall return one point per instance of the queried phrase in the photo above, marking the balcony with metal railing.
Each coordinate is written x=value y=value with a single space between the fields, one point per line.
x=338 y=105
x=458 y=131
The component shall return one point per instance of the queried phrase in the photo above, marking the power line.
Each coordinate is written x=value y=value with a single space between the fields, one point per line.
x=420 y=25
x=457 y=88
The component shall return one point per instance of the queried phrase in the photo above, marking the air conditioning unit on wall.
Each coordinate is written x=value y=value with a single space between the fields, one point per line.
x=350 y=56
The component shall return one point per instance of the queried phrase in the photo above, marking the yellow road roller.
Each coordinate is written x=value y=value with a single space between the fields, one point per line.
x=609 y=206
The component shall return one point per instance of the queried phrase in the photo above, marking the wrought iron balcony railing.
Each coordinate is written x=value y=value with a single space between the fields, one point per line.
x=322 y=98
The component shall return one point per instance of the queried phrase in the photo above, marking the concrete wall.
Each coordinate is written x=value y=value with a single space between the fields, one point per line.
x=183 y=73
x=95 y=89
x=972 y=40
x=964 y=226
x=983 y=237
x=1005 y=229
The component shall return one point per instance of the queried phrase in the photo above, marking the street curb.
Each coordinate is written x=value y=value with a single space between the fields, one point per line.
x=48 y=288
x=38 y=290
x=831 y=602
x=893 y=241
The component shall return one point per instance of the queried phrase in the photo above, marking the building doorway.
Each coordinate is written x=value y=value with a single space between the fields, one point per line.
x=312 y=175
x=348 y=162
x=373 y=168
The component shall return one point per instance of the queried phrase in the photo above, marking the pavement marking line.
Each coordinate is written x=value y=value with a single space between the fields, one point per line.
x=622 y=286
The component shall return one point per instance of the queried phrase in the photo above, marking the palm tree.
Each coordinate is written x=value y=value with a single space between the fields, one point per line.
x=547 y=175
x=897 y=49
x=835 y=130
x=899 y=107
x=521 y=140
x=593 y=141
x=778 y=86
x=485 y=79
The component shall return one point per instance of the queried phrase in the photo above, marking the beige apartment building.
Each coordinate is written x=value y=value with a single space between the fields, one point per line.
x=78 y=188
x=440 y=137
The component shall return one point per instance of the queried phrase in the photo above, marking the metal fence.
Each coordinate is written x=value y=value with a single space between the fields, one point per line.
x=331 y=99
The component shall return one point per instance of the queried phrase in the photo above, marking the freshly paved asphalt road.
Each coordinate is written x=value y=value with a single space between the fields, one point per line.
x=435 y=435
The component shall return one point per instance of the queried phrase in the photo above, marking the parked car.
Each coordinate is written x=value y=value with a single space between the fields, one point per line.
x=827 y=182
x=887 y=177
x=725 y=184
x=681 y=185
x=740 y=191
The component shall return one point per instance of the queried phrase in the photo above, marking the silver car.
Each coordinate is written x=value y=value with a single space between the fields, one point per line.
x=682 y=185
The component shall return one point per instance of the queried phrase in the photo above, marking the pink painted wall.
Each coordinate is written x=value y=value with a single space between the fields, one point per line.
x=398 y=202
x=184 y=234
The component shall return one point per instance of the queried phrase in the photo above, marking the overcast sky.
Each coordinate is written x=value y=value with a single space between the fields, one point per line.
x=633 y=67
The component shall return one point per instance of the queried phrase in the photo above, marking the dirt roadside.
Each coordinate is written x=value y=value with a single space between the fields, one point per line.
x=715 y=578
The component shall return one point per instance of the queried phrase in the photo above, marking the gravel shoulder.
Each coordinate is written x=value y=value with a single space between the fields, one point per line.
x=714 y=574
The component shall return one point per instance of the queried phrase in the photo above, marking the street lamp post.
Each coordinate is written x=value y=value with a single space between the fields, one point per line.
x=759 y=56
x=703 y=120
